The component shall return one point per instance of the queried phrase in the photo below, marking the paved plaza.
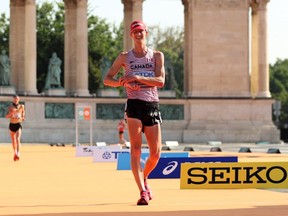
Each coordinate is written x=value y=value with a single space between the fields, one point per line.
x=52 y=181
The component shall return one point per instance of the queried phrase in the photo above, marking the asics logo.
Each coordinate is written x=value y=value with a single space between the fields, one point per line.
x=170 y=168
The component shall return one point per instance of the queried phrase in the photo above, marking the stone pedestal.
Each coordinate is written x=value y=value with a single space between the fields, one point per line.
x=204 y=120
x=108 y=93
x=231 y=121
x=55 y=92
x=167 y=93
x=7 y=90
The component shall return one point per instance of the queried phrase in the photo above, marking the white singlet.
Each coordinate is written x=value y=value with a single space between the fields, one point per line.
x=144 y=66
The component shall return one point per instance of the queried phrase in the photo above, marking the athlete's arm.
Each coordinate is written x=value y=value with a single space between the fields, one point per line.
x=9 y=113
x=109 y=79
x=23 y=112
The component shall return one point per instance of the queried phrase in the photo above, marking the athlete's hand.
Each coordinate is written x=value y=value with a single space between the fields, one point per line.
x=132 y=86
x=123 y=81
x=131 y=78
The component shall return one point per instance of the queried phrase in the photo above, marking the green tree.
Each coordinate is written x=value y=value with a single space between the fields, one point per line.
x=171 y=42
x=279 y=87
x=105 y=41
x=4 y=33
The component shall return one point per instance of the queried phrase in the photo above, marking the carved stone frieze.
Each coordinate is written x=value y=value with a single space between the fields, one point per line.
x=220 y=4
x=132 y=1
x=70 y=4
x=128 y=4
x=186 y=4
x=258 y=5
x=30 y=2
x=82 y=3
x=17 y=3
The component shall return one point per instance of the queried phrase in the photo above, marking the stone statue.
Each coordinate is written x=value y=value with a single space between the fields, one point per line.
x=105 y=64
x=54 y=72
x=169 y=76
x=4 y=69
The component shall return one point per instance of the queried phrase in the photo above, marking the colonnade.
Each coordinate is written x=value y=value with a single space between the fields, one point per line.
x=22 y=46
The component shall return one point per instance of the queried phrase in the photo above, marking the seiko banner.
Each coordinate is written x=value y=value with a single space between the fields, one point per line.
x=123 y=162
x=87 y=151
x=170 y=167
x=234 y=175
x=108 y=154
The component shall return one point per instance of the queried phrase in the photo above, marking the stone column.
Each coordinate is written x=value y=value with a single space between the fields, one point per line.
x=30 y=49
x=260 y=66
x=216 y=58
x=82 y=49
x=16 y=39
x=255 y=47
x=69 y=48
x=22 y=46
x=76 y=48
x=188 y=47
x=132 y=11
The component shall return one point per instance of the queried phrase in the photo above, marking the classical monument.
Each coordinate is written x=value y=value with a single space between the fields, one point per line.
x=226 y=83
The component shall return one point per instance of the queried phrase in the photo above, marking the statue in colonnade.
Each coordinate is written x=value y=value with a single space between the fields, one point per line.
x=53 y=79
x=4 y=69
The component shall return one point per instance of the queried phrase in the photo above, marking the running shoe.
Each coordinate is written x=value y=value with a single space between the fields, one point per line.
x=148 y=190
x=16 y=157
x=144 y=198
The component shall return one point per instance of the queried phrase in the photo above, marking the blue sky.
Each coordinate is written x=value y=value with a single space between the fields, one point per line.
x=170 y=13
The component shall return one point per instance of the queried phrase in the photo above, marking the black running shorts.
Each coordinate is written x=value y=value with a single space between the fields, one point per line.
x=14 y=127
x=147 y=112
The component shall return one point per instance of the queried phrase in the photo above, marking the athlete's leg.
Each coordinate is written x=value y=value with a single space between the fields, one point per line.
x=121 y=138
x=17 y=139
x=154 y=141
x=14 y=143
x=135 y=137
x=153 y=137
